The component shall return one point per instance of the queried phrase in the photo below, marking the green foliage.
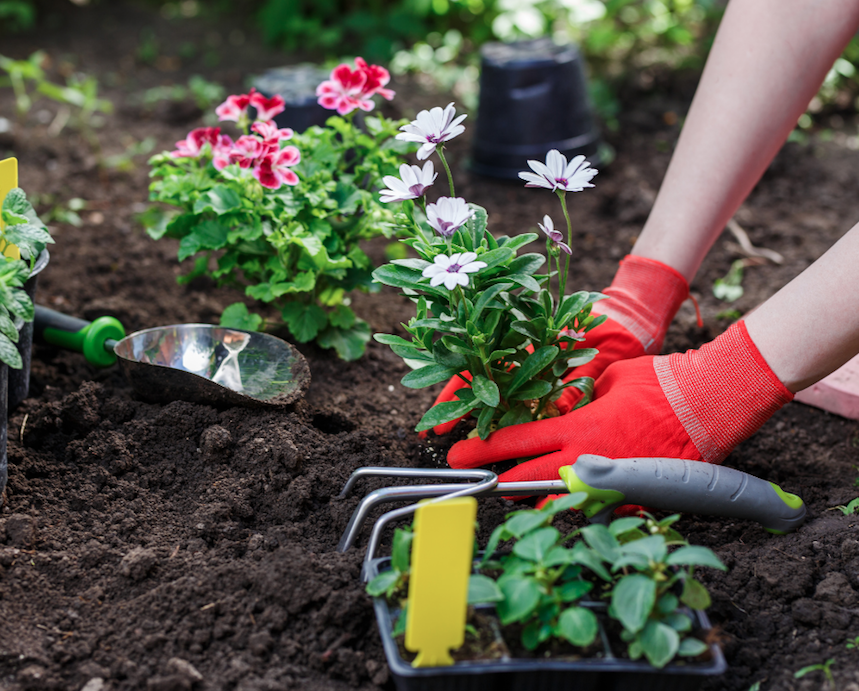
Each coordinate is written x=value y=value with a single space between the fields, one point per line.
x=825 y=667
x=730 y=287
x=643 y=566
x=17 y=15
x=852 y=644
x=297 y=247
x=202 y=92
x=851 y=508
x=21 y=227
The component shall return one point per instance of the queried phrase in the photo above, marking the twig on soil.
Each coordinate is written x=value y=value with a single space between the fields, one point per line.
x=23 y=425
x=175 y=551
x=64 y=634
x=748 y=248
x=209 y=606
x=792 y=556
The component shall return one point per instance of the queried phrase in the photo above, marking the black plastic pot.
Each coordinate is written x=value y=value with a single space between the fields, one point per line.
x=533 y=98
x=607 y=673
x=296 y=84
x=19 y=380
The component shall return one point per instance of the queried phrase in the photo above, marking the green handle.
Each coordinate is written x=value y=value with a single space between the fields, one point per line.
x=94 y=339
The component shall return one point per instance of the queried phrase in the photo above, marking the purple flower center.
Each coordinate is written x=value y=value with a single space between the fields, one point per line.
x=561 y=181
x=453 y=268
x=445 y=227
x=417 y=190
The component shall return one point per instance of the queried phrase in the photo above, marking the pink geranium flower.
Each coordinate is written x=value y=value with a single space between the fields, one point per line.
x=193 y=144
x=349 y=88
x=246 y=151
x=235 y=107
x=272 y=170
x=271 y=135
x=221 y=152
x=267 y=108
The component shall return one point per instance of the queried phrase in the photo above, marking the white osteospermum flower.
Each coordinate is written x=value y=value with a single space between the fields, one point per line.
x=556 y=237
x=448 y=214
x=452 y=270
x=557 y=174
x=432 y=127
x=413 y=183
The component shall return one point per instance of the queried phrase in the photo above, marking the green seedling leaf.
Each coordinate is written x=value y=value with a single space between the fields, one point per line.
x=653 y=548
x=483 y=589
x=9 y=353
x=565 y=502
x=382 y=583
x=219 y=199
x=660 y=643
x=578 y=625
x=536 y=388
x=632 y=601
x=581 y=356
x=620 y=526
x=523 y=522
x=521 y=598
x=695 y=555
x=517 y=415
x=678 y=621
x=349 y=343
x=600 y=539
x=591 y=560
x=695 y=595
x=444 y=412
x=691 y=647
x=535 y=363
x=401 y=550
x=304 y=321
x=572 y=591
x=536 y=545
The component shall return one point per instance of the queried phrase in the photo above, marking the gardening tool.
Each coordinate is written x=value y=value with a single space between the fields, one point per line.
x=8 y=182
x=669 y=484
x=201 y=363
x=442 y=550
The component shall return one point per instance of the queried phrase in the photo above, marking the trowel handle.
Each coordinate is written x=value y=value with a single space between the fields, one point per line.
x=94 y=339
x=674 y=484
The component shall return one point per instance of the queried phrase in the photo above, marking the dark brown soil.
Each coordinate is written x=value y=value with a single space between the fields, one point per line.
x=176 y=545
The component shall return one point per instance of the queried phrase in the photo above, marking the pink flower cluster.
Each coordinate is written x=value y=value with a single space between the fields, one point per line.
x=259 y=150
x=349 y=88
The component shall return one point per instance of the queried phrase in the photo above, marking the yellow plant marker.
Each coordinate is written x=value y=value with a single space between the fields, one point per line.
x=8 y=181
x=442 y=550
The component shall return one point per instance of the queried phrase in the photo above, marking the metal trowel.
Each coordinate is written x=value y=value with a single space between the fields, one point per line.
x=201 y=363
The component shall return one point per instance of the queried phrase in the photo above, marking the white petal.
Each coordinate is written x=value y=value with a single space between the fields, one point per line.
x=556 y=163
x=440 y=278
x=451 y=280
x=433 y=270
x=425 y=151
x=467 y=258
x=471 y=267
x=444 y=261
x=573 y=166
x=536 y=180
x=455 y=258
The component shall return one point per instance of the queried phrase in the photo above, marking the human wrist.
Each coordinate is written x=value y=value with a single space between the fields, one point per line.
x=643 y=298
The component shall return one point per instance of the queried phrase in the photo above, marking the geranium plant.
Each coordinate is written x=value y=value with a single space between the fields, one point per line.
x=21 y=229
x=283 y=214
x=484 y=313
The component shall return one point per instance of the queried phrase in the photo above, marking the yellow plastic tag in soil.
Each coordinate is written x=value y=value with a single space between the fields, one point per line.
x=442 y=551
x=8 y=182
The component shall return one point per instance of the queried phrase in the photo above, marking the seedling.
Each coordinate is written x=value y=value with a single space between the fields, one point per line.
x=853 y=644
x=730 y=288
x=825 y=667
x=850 y=509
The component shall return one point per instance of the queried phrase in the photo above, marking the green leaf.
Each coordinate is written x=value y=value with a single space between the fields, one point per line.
x=486 y=390
x=391 y=340
x=304 y=321
x=382 y=583
x=533 y=389
x=236 y=316
x=9 y=353
x=401 y=550
x=590 y=559
x=581 y=356
x=521 y=598
x=484 y=422
x=574 y=590
x=652 y=547
x=517 y=415
x=444 y=412
x=691 y=647
x=678 y=621
x=535 y=363
x=695 y=594
x=485 y=298
x=350 y=343
x=483 y=589
x=632 y=601
x=342 y=317
x=620 y=526
x=523 y=522
x=219 y=199
x=660 y=643
x=696 y=555
x=600 y=539
x=444 y=356
x=427 y=376
x=578 y=625
x=564 y=502
x=536 y=545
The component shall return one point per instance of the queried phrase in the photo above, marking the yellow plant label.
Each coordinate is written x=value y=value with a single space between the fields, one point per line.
x=8 y=182
x=442 y=552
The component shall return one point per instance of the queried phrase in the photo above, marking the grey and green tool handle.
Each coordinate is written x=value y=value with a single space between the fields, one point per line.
x=679 y=485
x=95 y=339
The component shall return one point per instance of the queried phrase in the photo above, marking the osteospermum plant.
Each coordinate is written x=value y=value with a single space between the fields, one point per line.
x=281 y=214
x=485 y=313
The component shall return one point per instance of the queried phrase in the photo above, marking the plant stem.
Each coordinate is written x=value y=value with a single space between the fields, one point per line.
x=562 y=195
x=440 y=149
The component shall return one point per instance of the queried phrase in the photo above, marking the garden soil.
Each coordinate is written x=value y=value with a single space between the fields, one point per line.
x=178 y=546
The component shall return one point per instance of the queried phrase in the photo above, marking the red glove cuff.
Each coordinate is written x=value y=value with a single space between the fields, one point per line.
x=643 y=298
x=721 y=393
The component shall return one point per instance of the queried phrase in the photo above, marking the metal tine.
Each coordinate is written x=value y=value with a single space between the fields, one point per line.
x=506 y=489
x=417 y=492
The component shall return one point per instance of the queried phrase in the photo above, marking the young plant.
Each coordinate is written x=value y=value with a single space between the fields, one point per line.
x=653 y=585
x=541 y=579
x=282 y=215
x=483 y=312
x=851 y=508
x=825 y=667
x=20 y=228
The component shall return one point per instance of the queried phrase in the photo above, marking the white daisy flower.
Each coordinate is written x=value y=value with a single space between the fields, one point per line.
x=432 y=127
x=453 y=270
x=557 y=174
x=413 y=183
x=448 y=214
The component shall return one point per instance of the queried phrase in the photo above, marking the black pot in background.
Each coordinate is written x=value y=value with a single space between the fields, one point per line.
x=19 y=379
x=296 y=84
x=533 y=98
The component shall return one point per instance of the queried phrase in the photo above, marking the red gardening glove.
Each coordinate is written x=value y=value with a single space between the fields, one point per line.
x=643 y=299
x=696 y=405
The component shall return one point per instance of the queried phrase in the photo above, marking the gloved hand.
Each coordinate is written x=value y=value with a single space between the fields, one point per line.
x=696 y=405
x=643 y=299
